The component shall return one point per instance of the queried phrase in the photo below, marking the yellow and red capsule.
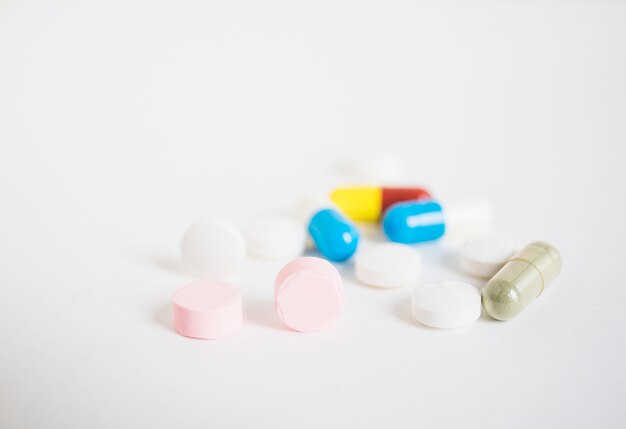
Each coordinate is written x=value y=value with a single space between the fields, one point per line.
x=368 y=203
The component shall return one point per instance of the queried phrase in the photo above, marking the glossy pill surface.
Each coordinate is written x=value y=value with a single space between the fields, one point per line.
x=414 y=222
x=521 y=280
x=333 y=234
x=368 y=203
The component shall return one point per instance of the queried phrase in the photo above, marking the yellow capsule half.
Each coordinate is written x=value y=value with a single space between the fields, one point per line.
x=359 y=203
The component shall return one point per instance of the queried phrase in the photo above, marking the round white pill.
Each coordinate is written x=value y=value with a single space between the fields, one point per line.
x=275 y=237
x=483 y=257
x=213 y=248
x=446 y=304
x=388 y=265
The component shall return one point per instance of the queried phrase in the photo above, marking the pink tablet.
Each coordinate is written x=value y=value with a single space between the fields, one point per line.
x=308 y=294
x=207 y=309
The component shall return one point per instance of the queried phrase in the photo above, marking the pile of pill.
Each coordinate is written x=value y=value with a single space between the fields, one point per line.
x=308 y=291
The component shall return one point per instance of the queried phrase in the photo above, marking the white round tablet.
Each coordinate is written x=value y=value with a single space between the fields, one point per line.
x=483 y=257
x=446 y=304
x=213 y=248
x=275 y=237
x=388 y=265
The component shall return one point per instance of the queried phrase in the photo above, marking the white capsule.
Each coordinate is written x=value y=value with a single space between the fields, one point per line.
x=483 y=257
x=388 y=265
x=467 y=218
x=214 y=249
x=446 y=304
x=275 y=237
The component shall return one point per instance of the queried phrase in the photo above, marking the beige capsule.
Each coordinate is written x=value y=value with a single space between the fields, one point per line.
x=522 y=279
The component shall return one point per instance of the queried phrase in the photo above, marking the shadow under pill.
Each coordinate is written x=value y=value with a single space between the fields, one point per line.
x=162 y=315
x=402 y=311
x=372 y=232
x=347 y=271
x=262 y=312
x=311 y=253
x=450 y=260
x=485 y=317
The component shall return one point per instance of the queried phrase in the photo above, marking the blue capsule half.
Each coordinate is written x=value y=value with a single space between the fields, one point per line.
x=334 y=235
x=414 y=222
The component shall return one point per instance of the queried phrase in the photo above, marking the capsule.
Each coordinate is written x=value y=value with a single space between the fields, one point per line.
x=521 y=280
x=333 y=234
x=419 y=221
x=414 y=222
x=368 y=203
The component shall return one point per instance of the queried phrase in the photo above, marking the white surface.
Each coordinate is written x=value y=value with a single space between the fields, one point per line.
x=483 y=257
x=275 y=237
x=213 y=249
x=308 y=204
x=387 y=265
x=446 y=304
x=123 y=121
x=376 y=167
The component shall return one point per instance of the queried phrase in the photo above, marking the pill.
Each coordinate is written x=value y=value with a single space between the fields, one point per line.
x=522 y=279
x=367 y=203
x=467 y=218
x=388 y=265
x=446 y=304
x=483 y=257
x=308 y=294
x=275 y=237
x=334 y=235
x=420 y=221
x=213 y=248
x=414 y=222
x=207 y=309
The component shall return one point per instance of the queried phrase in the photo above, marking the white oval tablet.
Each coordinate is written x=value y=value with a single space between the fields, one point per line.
x=446 y=304
x=213 y=248
x=275 y=237
x=388 y=265
x=483 y=257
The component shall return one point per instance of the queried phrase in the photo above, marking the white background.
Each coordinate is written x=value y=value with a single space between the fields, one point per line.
x=123 y=121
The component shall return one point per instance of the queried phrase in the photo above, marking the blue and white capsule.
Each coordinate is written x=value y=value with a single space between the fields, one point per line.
x=418 y=221
x=414 y=222
x=333 y=234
